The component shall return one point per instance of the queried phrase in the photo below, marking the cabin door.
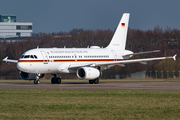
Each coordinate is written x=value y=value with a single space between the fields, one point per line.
x=45 y=57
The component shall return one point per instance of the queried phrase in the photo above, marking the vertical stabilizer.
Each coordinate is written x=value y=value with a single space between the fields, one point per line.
x=119 y=39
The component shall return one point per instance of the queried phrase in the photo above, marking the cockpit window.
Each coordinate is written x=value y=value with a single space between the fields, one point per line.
x=32 y=56
x=22 y=56
x=26 y=56
x=35 y=56
x=29 y=56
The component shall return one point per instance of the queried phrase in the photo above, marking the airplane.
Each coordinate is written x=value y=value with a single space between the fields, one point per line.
x=87 y=63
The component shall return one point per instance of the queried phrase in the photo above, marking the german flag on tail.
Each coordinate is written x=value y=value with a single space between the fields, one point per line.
x=123 y=24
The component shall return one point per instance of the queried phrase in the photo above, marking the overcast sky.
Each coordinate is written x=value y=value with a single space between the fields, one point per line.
x=63 y=15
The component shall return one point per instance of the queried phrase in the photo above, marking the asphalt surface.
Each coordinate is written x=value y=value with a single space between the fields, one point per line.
x=132 y=86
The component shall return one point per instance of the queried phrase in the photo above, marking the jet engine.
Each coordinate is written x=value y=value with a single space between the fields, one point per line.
x=88 y=73
x=29 y=76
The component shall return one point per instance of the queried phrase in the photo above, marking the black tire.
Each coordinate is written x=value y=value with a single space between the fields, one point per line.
x=36 y=81
x=58 y=80
x=96 y=81
x=53 y=80
x=91 y=82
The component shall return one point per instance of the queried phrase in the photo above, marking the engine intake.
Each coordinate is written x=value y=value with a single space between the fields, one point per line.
x=88 y=73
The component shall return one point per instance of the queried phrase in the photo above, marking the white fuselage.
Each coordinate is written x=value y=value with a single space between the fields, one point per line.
x=58 y=60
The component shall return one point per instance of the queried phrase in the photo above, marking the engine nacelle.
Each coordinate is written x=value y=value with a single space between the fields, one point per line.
x=29 y=76
x=88 y=73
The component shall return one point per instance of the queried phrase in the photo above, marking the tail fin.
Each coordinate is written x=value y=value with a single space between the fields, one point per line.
x=119 y=39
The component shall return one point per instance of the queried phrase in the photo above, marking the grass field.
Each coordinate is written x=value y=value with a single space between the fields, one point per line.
x=93 y=105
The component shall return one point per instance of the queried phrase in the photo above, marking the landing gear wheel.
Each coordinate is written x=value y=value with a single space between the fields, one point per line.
x=53 y=80
x=36 y=81
x=96 y=81
x=91 y=82
x=58 y=80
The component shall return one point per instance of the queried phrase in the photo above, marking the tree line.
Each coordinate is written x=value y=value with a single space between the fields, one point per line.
x=167 y=41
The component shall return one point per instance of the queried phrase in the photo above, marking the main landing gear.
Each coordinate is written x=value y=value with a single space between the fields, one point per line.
x=95 y=81
x=55 y=79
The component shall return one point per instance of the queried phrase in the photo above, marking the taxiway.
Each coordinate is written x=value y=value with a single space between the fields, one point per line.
x=132 y=86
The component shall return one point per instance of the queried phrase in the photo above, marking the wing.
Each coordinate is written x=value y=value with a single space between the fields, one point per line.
x=9 y=60
x=135 y=61
x=120 y=63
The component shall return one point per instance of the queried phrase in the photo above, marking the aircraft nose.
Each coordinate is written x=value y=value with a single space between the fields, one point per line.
x=20 y=66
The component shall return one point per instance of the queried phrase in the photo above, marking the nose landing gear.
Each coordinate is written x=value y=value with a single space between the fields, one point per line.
x=36 y=81
x=38 y=76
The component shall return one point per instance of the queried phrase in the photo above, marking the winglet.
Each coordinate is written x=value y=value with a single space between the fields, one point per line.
x=9 y=60
x=5 y=58
x=174 y=57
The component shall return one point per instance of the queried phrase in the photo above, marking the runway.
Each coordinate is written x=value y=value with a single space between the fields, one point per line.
x=132 y=86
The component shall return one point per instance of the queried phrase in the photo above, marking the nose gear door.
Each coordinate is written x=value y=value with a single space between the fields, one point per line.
x=45 y=57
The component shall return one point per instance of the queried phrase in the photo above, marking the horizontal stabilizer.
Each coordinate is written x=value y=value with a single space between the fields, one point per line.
x=139 y=53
